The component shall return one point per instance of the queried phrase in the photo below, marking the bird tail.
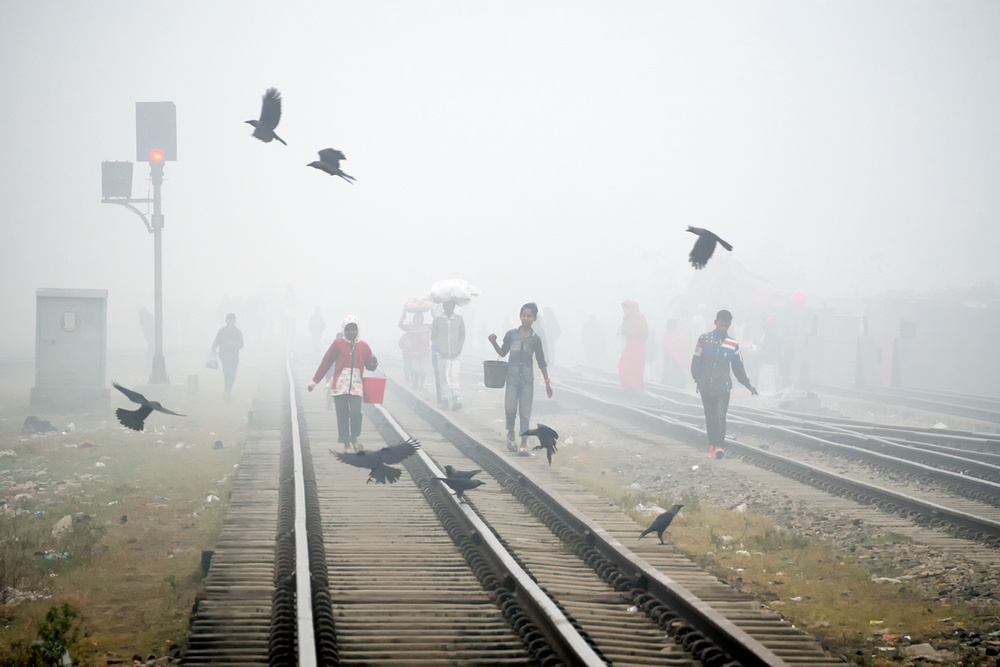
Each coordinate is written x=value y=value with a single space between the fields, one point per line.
x=383 y=474
x=130 y=418
x=645 y=533
x=346 y=177
x=725 y=245
x=280 y=139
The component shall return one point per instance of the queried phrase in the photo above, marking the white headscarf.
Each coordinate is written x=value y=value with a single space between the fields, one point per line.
x=350 y=319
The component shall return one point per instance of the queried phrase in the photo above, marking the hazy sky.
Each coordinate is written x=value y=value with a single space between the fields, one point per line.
x=552 y=151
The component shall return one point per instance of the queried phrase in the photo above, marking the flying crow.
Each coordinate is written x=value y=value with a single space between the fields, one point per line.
x=704 y=246
x=270 y=114
x=661 y=522
x=377 y=462
x=461 y=484
x=133 y=419
x=460 y=474
x=329 y=161
x=547 y=437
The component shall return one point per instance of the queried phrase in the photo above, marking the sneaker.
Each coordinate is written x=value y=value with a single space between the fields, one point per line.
x=456 y=406
x=443 y=405
x=358 y=447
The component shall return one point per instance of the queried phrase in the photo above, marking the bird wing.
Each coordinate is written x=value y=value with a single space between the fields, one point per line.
x=133 y=419
x=358 y=459
x=270 y=109
x=331 y=156
x=547 y=432
x=460 y=484
x=133 y=396
x=160 y=408
x=397 y=453
x=702 y=250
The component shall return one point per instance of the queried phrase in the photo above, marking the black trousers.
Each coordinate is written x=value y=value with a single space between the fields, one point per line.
x=348 y=409
x=715 y=417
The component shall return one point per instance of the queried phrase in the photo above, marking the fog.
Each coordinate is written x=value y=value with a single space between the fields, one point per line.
x=550 y=151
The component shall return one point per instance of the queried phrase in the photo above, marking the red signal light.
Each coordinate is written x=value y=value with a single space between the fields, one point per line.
x=156 y=155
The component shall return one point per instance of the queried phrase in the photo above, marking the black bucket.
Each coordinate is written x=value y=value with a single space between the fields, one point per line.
x=494 y=373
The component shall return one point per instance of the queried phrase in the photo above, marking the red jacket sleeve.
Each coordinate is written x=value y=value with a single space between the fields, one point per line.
x=370 y=362
x=324 y=366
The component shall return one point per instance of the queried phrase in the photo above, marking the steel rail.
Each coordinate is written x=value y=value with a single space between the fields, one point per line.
x=305 y=634
x=566 y=642
x=712 y=625
x=932 y=405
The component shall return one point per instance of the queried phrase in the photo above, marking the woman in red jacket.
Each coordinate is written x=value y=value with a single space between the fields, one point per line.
x=349 y=358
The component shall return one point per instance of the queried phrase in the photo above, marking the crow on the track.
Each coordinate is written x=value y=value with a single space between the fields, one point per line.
x=460 y=474
x=134 y=419
x=547 y=437
x=270 y=115
x=461 y=484
x=379 y=462
x=329 y=161
x=661 y=522
x=704 y=246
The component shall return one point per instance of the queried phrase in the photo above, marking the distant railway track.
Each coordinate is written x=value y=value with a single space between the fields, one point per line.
x=962 y=405
x=530 y=570
x=962 y=472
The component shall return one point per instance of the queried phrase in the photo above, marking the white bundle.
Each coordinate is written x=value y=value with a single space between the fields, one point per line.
x=457 y=290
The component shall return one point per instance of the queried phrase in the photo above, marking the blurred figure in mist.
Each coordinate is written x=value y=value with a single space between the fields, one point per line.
x=448 y=338
x=316 y=327
x=787 y=360
x=676 y=348
x=698 y=323
x=549 y=330
x=228 y=343
x=592 y=336
x=416 y=348
x=148 y=324
x=632 y=362
x=770 y=359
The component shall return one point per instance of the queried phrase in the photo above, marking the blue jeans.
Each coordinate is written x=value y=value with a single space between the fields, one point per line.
x=517 y=401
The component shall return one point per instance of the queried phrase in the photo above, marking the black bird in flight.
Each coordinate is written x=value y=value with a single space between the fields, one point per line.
x=329 y=161
x=704 y=246
x=460 y=474
x=461 y=484
x=379 y=463
x=134 y=419
x=661 y=522
x=270 y=114
x=547 y=437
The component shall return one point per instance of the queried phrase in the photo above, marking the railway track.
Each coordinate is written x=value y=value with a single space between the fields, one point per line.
x=968 y=505
x=962 y=405
x=530 y=569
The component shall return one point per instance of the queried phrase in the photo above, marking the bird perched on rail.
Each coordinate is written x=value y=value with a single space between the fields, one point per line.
x=704 y=246
x=329 y=161
x=270 y=115
x=661 y=523
x=379 y=463
x=461 y=484
x=547 y=437
x=134 y=419
x=460 y=474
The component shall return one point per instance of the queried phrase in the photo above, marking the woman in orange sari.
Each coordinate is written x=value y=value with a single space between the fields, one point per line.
x=633 y=359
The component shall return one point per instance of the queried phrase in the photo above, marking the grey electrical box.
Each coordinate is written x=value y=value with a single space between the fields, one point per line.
x=70 y=351
x=155 y=130
x=116 y=179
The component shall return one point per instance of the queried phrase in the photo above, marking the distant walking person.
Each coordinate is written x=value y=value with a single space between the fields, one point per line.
x=714 y=354
x=350 y=358
x=417 y=348
x=317 y=325
x=632 y=363
x=521 y=344
x=448 y=338
x=228 y=343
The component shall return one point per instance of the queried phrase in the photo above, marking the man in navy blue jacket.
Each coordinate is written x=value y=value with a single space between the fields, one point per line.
x=714 y=355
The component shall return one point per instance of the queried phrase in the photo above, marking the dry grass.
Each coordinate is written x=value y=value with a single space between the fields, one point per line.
x=134 y=582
